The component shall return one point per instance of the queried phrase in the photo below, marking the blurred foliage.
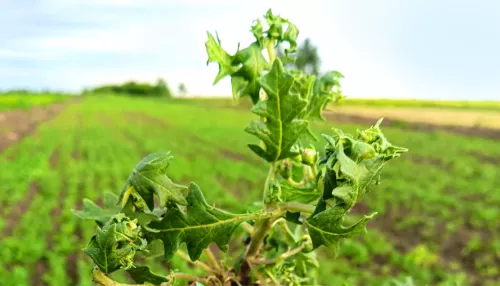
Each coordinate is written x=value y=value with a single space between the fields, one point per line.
x=133 y=88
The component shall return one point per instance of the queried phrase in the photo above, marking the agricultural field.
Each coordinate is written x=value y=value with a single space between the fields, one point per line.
x=437 y=205
x=26 y=101
x=441 y=104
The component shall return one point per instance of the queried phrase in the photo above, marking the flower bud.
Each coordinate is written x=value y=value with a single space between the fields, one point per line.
x=309 y=156
x=286 y=169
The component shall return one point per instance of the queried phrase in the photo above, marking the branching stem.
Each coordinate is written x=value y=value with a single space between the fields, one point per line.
x=189 y=277
x=281 y=257
x=297 y=207
x=212 y=261
x=198 y=263
x=102 y=280
x=295 y=184
x=270 y=177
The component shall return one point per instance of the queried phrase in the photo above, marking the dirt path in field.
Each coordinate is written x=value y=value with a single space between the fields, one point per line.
x=16 y=124
x=12 y=220
x=488 y=133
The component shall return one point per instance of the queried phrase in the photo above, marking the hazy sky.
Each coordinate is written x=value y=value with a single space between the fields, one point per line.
x=408 y=49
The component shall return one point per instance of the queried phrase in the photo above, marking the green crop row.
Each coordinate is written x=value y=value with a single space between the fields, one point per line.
x=438 y=206
x=27 y=101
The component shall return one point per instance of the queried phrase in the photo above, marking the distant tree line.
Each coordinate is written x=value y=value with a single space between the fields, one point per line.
x=133 y=88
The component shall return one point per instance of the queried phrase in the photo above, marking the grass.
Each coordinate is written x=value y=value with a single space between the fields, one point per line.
x=27 y=101
x=437 y=205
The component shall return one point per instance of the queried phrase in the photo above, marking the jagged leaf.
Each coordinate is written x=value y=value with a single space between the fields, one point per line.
x=92 y=211
x=326 y=89
x=291 y=34
x=238 y=84
x=275 y=23
x=198 y=227
x=281 y=111
x=306 y=194
x=217 y=54
x=252 y=64
x=326 y=228
x=150 y=178
x=142 y=274
x=114 y=245
x=257 y=31
x=303 y=84
x=350 y=168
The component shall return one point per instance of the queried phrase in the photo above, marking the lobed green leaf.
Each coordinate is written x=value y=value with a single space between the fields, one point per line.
x=199 y=226
x=281 y=126
x=150 y=178
x=218 y=55
x=114 y=245
x=351 y=167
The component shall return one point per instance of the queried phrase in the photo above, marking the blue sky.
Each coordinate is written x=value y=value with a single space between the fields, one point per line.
x=447 y=49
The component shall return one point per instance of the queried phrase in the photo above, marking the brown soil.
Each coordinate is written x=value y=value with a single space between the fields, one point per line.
x=72 y=258
x=39 y=269
x=488 y=133
x=54 y=159
x=13 y=218
x=143 y=119
x=16 y=124
x=419 y=159
x=232 y=155
x=56 y=214
x=72 y=268
x=405 y=240
x=238 y=157
x=487 y=159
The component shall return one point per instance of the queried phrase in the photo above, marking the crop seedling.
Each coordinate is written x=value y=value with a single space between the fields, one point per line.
x=306 y=195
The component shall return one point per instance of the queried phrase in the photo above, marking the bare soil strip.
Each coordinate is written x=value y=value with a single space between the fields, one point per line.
x=16 y=124
x=39 y=269
x=406 y=239
x=488 y=133
x=19 y=209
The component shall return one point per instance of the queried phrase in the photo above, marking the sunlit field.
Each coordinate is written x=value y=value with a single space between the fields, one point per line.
x=437 y=206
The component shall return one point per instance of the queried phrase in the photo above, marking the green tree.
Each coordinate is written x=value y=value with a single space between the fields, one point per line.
x=161 y=88
x=182 y=89
x=307 y=58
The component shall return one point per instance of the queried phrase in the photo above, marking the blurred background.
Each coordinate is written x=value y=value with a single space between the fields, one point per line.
x=88 y=88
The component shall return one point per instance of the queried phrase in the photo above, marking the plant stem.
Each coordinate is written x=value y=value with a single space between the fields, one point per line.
x=202 y=265
x=102 y=280
x=189 y=277
x=288 y=233
x=281 y=257
x=247 y=227
x=315 y=171
x=298 y=207
x=212 y=261
x=270 y=50
x=262 y=228
x=295 y=184
x=270 y=177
